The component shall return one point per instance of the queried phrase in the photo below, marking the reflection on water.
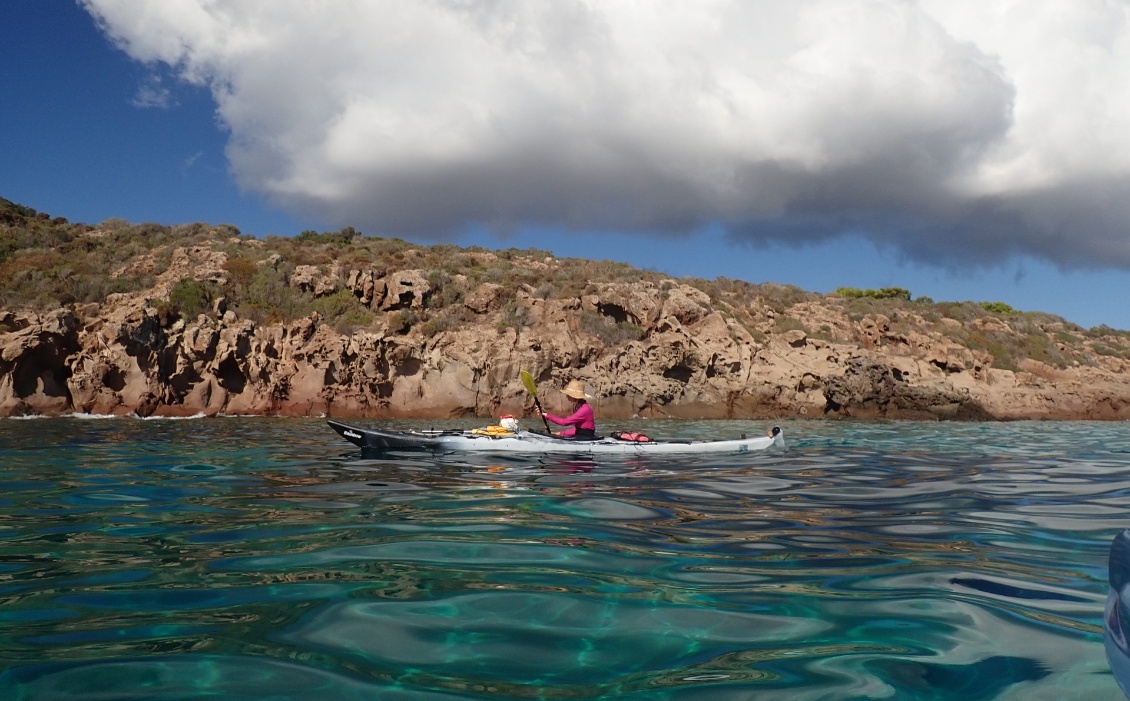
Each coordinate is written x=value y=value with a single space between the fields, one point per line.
x=263 y=558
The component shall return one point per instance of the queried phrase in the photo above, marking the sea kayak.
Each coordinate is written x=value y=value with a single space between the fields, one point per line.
x=1116 y=621
x=521 y=441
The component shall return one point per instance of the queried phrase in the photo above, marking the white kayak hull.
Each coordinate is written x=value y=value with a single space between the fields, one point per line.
x=531 y=443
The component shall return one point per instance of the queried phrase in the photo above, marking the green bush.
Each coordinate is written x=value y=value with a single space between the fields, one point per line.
x=785 y=323
x=241 y=271
x=445 y=291
x=402 y=321
x=608 y=330
x=15 y=210
x=336 y=238
x=1104 y=330
x=960 y=311
x=190 y=297
x=1041 y=347
x=343 y=311
x=1101 y=348
x=991 y=342
x=883 y=293
x=269 y=297
x=514 y=316
x=997 y=308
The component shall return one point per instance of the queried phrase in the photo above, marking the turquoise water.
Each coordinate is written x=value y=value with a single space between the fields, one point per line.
x=268 y=559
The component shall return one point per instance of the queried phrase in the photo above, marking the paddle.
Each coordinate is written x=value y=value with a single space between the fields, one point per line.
x=528 y=381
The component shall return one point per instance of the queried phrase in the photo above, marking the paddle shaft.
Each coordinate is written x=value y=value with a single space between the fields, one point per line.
x=532 y=388
x=542 y=412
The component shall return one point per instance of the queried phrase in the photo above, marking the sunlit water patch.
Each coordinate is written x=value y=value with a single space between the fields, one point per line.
x=265 y=558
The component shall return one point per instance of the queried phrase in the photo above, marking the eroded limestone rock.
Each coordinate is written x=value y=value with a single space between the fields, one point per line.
x=685 y=358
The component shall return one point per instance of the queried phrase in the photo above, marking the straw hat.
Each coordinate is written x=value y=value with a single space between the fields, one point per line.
x=576 y=390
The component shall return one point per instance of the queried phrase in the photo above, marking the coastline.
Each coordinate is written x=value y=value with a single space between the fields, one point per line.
x=346 y=326
x=72 y=361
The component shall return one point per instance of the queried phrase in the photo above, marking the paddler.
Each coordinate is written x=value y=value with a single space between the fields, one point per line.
x=582 y=422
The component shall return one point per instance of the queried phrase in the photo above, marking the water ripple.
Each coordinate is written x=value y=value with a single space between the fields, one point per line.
x=261 y=558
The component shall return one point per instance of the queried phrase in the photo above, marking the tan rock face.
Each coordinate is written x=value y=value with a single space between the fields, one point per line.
x=33 y=374
x=311 y=279
x=407 y=289
x=680 y=357
x=368 y=286
x=485 y=298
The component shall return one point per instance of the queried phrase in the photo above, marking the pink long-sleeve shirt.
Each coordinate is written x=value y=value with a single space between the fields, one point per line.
x=581 y=418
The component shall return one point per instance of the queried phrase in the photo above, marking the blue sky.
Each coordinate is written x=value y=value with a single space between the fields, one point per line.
x=936 y=160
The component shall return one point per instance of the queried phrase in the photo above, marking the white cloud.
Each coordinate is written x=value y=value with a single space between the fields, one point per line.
x=949 y=130
x=152 y=93
x=189 y=163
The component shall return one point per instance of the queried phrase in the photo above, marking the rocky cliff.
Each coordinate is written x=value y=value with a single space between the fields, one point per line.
x=651 y=347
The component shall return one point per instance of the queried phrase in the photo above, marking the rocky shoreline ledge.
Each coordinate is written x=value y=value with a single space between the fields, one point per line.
x=453 y=345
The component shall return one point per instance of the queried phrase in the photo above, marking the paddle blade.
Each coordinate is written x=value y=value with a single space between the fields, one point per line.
x=528 y=381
